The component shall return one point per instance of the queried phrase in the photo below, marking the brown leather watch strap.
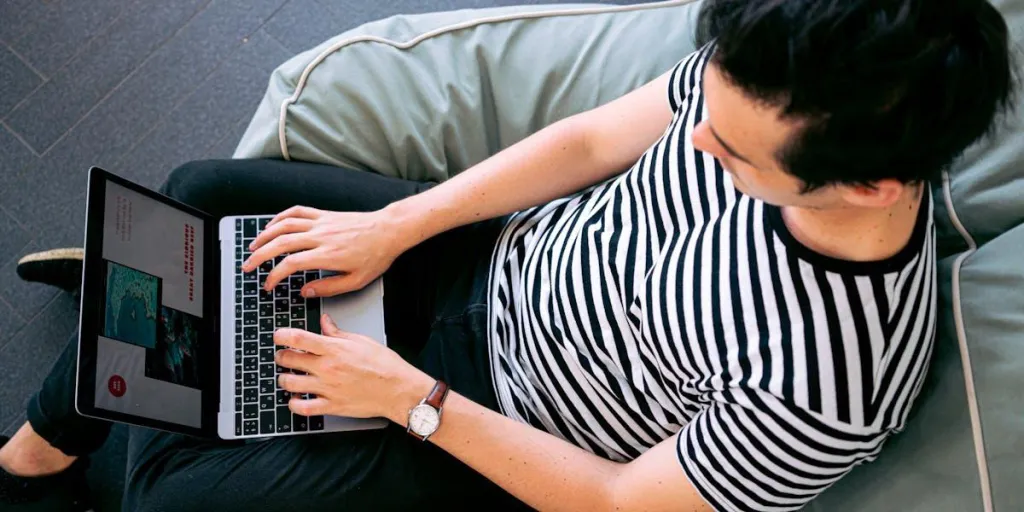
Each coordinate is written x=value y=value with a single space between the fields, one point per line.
x=437 y=395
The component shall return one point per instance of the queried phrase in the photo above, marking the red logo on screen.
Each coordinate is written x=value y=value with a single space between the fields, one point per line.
x=117 y=386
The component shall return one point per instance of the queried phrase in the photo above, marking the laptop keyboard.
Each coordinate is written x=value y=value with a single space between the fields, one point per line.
x=261 y=407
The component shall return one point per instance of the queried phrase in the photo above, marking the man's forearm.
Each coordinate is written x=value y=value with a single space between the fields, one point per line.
x=550 y=164
x=540 y=469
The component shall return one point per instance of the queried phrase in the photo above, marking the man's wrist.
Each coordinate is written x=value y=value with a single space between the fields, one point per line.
x=412 y=390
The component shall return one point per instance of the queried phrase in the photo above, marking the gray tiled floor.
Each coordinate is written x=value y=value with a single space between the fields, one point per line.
x=139 y=87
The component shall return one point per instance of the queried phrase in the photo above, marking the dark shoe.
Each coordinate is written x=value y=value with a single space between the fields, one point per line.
x=57 y=267
x=66 y=490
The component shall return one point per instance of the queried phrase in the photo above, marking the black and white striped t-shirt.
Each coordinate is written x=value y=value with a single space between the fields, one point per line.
x=664 y=302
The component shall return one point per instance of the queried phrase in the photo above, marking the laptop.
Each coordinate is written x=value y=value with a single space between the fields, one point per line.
x=174 y=336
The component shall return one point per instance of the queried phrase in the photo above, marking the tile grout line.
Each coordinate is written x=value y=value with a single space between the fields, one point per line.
x=127 y=77
x=16 y=221
x=20 y=139
x=186 y=97
x=279 y=43
x=27 y=64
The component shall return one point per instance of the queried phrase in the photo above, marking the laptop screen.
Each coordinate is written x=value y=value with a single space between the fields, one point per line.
x=147 y=351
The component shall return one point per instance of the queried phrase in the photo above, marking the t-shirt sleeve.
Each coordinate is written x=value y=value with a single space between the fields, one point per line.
x=685 y=76
x=751 y=451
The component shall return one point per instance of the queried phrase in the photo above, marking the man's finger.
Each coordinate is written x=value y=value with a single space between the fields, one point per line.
x=278 y=246
x=302 y=361
x=305 y=260
x=308 y=407
x=300 y=340
x=302 y=212
x=330 y=286
x=298 y=384
x=290 y=225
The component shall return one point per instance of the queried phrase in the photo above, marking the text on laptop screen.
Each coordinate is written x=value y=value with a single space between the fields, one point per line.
x=147 y=353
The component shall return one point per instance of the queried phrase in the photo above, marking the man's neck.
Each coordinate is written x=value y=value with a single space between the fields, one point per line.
x=857 y=234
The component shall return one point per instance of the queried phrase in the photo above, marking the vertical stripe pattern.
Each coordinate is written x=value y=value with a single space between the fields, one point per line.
x=663 y=302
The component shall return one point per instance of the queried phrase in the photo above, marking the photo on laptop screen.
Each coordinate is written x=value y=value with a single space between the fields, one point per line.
x=147 y=352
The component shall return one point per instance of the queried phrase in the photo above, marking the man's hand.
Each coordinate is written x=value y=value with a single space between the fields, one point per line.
x=350 y=374
x=359 y=245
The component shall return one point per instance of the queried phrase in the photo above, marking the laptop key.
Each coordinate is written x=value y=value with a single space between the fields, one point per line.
x=267 y=422
x=250 y=318
x=249 y=303
x=267 y=325
x=251 y=411
x=238 y=424
x=238 y=404
x=249 y=276
x=238 y=310
x=299 y=313
x=296 y=297
x=316 y=423
x=267 y=339
x=267 y=402
x=300 y=422
x=267 y=355
x=266 y=266
x=249 y=379
x=281 y=291
x=250 y=333
x=250 y=428
x=267 y=386
x=266 y=296
x=284 y=418
x=249 y=228
x=283 y=397
x=281 y=320
x=250 y=396
x=266 y=370
x=238 y=380
x=262 y=279
x=238 y=225
x=297 y=281
x=238 y=357
x=266 y=310
x=299 y=324
x=263 y=222
x=250 y=288
x=281 y=306
x=250 y=364
x=251 y=349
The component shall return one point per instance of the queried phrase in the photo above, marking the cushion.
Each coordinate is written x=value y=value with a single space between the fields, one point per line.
x=424 y=97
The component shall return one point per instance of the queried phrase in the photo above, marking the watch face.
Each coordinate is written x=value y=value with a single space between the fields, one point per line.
x=423 y=420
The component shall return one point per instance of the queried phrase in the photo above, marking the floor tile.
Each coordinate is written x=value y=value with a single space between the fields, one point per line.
x=60 y=103
x=35 y=349
x=18 y=80
x=63 y=32
x=303 y=24
x=13 y=237
x=225 y=147
x=25 y=13
x=229 y=94
x=16 y=157
x=10 y=322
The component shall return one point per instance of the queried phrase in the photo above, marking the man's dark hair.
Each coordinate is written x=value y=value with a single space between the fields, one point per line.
x=887 y=88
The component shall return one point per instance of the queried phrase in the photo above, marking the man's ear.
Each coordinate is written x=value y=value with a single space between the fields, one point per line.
x=882 y=193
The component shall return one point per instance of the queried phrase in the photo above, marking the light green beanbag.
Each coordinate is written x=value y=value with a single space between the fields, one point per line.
x=424 y=97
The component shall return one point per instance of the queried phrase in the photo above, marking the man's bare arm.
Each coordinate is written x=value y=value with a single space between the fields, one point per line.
x=557 y=161
x=548 y=473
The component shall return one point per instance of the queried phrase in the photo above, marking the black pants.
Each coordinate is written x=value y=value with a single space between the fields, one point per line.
x=435 y=307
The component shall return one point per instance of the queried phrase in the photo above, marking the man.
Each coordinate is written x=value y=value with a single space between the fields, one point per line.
x=734 y=322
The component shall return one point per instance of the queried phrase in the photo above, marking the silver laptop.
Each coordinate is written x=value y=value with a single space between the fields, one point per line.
x=174 y=336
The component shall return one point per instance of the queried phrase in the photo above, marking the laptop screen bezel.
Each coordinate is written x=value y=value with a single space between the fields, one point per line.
x=92 y=310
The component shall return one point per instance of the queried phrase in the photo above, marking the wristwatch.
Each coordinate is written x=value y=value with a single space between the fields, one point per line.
x=425 y=418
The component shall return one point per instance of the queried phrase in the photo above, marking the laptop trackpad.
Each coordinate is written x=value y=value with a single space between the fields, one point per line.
x=360 y=311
